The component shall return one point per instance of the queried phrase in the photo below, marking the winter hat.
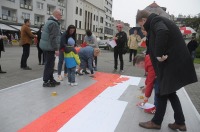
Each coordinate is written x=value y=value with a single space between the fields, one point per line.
x=71 y=41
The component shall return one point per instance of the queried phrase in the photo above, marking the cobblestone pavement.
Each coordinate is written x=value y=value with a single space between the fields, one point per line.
x=10 y=62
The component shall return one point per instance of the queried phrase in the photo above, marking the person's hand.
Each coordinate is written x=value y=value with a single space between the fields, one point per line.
x=163 y=58
x=145 y=100
x=115 y=38
x=35 y=36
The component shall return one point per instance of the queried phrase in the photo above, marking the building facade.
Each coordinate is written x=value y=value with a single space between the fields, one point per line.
x=108 y=19
x=38 y=11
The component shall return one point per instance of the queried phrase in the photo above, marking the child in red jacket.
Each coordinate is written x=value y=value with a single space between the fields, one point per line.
x=144 y=62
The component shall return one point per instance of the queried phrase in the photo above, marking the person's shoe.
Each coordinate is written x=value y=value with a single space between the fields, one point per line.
x=74 y=84
x=78 y=73
x=27 y=68
x=48 y=84
x=175 y=126
x=43 y=63
x=65 y=75
x=68 y=83
x=149 y=125
x=121 y=71
x=95 y=68
x=55 y=82
x=114 y=70
x=130 y=61
x=60 y=78
x=3 y=72
x=39 y=64
x=86 y=72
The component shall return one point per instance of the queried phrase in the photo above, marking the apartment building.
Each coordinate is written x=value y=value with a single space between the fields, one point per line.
x=86 y=14
x=13 y=12
x=108 y=18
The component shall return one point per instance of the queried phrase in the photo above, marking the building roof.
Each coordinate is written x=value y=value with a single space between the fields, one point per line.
x=154 y=5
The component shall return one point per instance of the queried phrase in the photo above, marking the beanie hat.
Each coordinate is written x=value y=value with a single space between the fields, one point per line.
x=71 y=41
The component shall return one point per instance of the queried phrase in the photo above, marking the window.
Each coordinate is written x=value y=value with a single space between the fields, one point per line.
x=11 y=0
x=97 y=18
x=101 y=20
x=94 y=28
x=76 y=23
x=80 y=12
x=77 y=10
x=94 y=17
x=40 y=5
x=26 y=15
x=62 y=11
x=80 y=24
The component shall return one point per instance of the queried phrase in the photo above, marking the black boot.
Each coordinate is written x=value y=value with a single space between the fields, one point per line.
x=1 y=70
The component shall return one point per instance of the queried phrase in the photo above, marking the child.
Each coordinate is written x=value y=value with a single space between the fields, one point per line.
x=71 y=61
x=144 y=62
x=87 y=55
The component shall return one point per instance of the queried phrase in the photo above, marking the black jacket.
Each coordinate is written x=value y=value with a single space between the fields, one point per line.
x=165 y=38
x=122 y=40
x=192 y=45
x=1 y=43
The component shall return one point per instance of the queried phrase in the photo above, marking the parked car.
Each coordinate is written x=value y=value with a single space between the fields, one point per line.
x=104 y=44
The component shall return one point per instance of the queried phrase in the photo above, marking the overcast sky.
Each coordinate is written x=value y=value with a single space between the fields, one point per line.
x=126 y=10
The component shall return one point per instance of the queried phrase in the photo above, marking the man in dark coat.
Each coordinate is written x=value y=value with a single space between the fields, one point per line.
x=192 y=45
x=2 y=47
x=172 y=63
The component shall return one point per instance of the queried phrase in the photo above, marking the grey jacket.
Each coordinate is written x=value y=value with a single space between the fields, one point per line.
x=91 y=41
x=50 y=38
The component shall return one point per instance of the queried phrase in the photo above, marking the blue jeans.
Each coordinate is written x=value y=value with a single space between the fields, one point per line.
x=71 y=74
x=60 y=63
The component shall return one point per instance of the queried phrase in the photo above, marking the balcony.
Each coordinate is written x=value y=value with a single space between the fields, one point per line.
x=49 y=12
x=61 y=4
x=9 y=18
x=28 y=7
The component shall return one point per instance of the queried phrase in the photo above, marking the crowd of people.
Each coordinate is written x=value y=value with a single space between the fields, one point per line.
x=167 y=61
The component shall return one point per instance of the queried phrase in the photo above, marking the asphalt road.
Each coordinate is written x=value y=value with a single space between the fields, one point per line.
x=10 y=62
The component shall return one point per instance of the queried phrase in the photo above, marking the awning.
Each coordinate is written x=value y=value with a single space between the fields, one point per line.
x=34 y=29
x=17 y=27
x=5 y=27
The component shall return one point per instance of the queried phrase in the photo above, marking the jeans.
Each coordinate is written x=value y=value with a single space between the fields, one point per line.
x=49 y=66
x=60 y=63
x=161 y=108
x=25 y=55
x=71 y=74
x=132 y=51
x=118 y=52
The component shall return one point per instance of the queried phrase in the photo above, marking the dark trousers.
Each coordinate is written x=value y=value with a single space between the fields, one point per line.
x=71 y=74
x=25 y=55
x=118 y=52
x=60 y=63
x=161 y=108
x=95 y=61
x=40 y=55
x=132 y=52
x=49 y=66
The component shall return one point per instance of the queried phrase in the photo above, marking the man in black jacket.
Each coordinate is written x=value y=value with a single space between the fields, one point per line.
x=192 y=45
x=121 y=40
x=172 y=63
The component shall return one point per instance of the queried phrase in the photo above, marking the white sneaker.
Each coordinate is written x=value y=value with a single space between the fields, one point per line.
x=68 y=83
x=74 y=84
x=60 y=78
x=121 y=71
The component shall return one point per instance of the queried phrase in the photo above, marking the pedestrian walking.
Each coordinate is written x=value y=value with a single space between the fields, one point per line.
x=40 y=52
x=133 y=41
x=49 y=43
x=2 y=49
x=121 y=41
x=71 y=61
x=192 y=46
x=26 y=41
x=91 y=40
x=71 y=32
x=172 y=64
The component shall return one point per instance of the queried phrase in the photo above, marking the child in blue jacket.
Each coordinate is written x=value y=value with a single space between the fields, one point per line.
x=71 y=61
